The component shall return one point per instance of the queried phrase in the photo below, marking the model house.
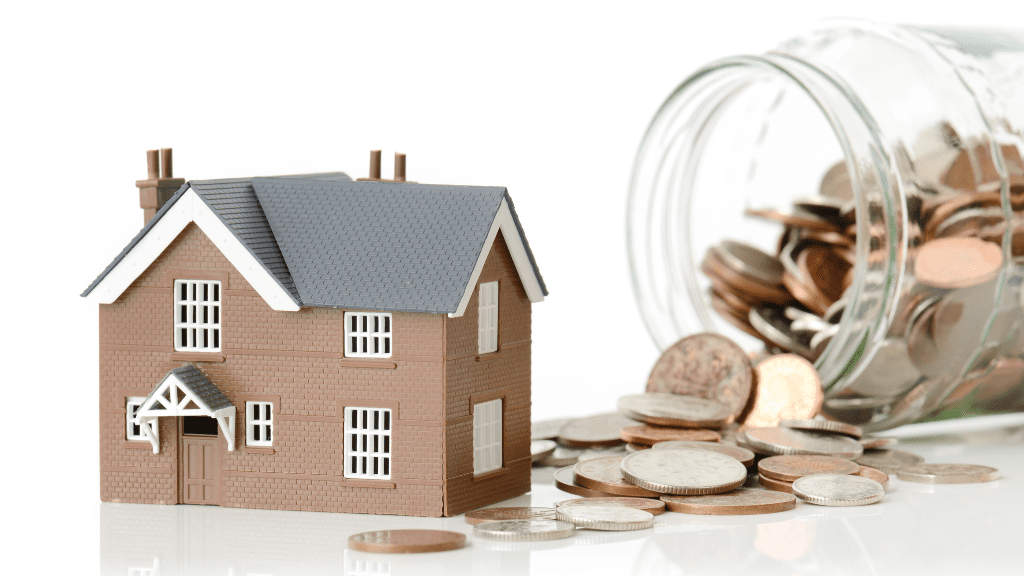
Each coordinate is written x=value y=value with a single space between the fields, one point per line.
x=317 y=343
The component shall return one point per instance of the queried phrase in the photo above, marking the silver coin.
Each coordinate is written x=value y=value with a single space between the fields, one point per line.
x=541 y=449
x=683 y=471
x=599 y=430
x=605 y=517
x=524 y=530
x=563 y=456
x=742 y=455
x=836 y=183
x=947 y=473
x=749 y=261
x=788 y=441
x=816 y=425
x=771 y=322
x=888 y=461
x=666 y=409
x=547 y=429
x=838 y=490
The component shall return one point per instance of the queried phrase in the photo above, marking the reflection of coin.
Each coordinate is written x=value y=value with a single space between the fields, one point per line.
x=651 y=505
x=824 y=426
x=565 y=482
x=744 y=456
x=789 y=441
x=541 y=449
x=876 y=475
x=406 y=541
x=837 y=490
x=788 y=386
x=738 y=502
x=524 y=530
x=649 y=435
x=664 y=409
x=605 y=475
x=605 y=517
x=547 y=429
x=775 y=485
x=600 y=430
x=947 y=473
x=888 y=461
x=508 y=513
x=791 y=468
x=683 y=471
x=707 y=366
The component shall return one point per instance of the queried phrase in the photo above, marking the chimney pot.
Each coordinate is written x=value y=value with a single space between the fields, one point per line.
x=153 y=164
x=374 y=165
x=399 y=167
x=166 y=168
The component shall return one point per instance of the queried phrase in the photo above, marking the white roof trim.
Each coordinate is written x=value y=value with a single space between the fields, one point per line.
x=191 y=208
x=178 y=398
x=503 y=221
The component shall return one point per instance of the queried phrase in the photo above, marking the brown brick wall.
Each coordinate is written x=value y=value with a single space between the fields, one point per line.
x=472 y=377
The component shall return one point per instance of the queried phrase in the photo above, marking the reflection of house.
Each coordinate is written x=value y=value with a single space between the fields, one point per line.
x=317 y=343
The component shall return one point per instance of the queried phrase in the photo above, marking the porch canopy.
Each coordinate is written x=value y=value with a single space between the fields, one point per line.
x=185 y=391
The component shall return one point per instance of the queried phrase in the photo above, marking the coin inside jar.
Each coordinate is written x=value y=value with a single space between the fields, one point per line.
x=706 y=366
x=664 y=409
x=741 y=501
x=957 y=262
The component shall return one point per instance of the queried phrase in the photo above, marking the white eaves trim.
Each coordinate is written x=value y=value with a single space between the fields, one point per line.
x=503 y=221
x=191 y=208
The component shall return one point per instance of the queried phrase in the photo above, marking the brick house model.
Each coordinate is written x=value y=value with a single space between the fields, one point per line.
x=317 y=343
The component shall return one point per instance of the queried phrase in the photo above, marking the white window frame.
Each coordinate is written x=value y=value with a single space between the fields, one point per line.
x=487 y=335
x=202 y=307
x=131 y=406
x=371 y=335
x=263 y=422
x=487 y=436
x=368 y=442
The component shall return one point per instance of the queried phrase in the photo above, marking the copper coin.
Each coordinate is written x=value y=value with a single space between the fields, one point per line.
x=792 y=468
x=736 y=304
x=788 y=387
x=775 y=485
x=706 y=366
x=406 y=541
x=796 y=219
x=509 y=513
x=957 y=262
x=605 y=475
x=650 y=435
x=750 y=261
x=600 y=430
x=741 y=501
x=744 y=456
x=876 y=475
x=825 y=270
x=719 y=272
x=651 y=505
x=806 y=292
x=733 y=317
x=565 y=482
x=870 y=442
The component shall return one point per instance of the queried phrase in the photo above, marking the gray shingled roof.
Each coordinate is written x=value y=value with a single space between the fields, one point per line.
x=198 y=384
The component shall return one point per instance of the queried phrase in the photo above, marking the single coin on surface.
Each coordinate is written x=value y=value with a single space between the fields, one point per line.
x=541 y=449
x=947 y=473
x=888 y=461
x=605 y=475
x=524 y=530
x=707 y=366
x=605 y=517
x=741 y=501
x=599 y=430
x=665 y=409
x=683 y=471
x=876 y=475
x=406 y=541
x=838 y=490
x=744 y=456
x=775 y=485
x=789 y=441
x=788 y=387
x=814 y=425
x=792 y=468
x=508 y=513
x=649 y=435
x=646 y=504
x=565 y=482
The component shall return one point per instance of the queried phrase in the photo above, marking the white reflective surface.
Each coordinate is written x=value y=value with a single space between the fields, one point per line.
x=916 y=529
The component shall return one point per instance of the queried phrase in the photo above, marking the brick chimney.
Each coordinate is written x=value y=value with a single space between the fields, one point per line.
x=159 y=185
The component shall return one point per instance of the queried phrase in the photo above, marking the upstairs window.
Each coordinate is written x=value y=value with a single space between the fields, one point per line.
x=488 y=331
x=197 y=315
x=368 y=334
x=259 y=423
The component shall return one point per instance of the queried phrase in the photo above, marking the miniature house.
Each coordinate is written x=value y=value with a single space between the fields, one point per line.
x=317 y=343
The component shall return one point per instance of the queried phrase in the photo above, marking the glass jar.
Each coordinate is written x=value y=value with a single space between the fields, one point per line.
x=913 y=137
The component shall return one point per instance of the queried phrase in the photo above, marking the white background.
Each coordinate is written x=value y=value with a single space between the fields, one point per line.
x=548 y=99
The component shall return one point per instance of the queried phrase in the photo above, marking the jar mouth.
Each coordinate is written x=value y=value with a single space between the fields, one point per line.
x=794 y=112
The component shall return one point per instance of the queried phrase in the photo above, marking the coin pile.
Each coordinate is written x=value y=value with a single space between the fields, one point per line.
x=948 y=321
